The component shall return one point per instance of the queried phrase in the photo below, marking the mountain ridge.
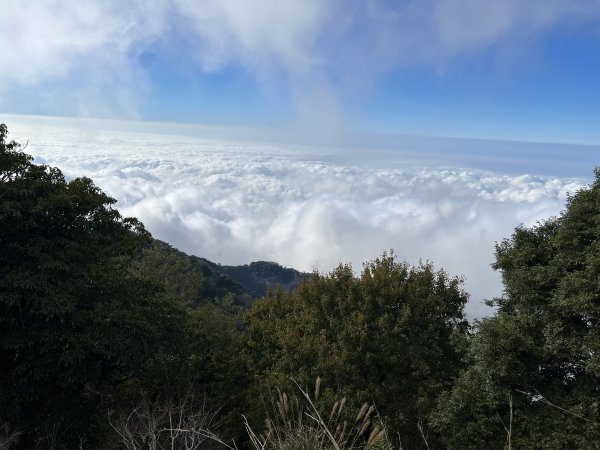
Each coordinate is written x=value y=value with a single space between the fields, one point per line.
x=244 y=282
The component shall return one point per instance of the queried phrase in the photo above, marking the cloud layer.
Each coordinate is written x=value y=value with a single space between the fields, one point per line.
x=302 y=207
x=86 y=57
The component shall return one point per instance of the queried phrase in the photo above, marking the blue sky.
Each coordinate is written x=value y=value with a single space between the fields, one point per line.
x=506 y=69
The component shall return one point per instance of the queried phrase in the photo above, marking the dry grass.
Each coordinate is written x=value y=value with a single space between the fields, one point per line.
x=8 y=436
x=185 y=424
x=297 y=424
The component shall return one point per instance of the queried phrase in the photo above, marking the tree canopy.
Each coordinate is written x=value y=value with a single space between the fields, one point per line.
x=74 y=322
x=99 y=321
x=393 y=335
x=537 y=359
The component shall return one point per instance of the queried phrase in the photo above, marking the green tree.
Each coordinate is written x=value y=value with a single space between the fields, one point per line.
x=74 y=322
x=537 y=359
x=174 y=271
x=390 y=336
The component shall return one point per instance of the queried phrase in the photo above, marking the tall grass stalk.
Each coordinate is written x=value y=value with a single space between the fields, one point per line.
x=298 y=424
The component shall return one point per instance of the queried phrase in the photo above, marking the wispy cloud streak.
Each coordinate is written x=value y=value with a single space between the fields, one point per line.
x=85 y=57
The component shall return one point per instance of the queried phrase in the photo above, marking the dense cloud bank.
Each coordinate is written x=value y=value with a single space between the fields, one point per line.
x=304 y=207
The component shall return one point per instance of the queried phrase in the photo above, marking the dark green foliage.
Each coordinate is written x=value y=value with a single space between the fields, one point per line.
x=216 y=284
x=245 y=282
x=74 y=322
x=96 y=318
x=206 y=358
x=542 y=347
x=261 y=276
x=197 y=280
x=389 y=336
x=171 y=269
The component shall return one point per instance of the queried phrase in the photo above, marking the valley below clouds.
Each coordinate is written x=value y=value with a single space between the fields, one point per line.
x=234 y=201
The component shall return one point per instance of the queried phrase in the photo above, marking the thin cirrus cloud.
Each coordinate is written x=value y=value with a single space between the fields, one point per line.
x=85 y=57
x=235 y=201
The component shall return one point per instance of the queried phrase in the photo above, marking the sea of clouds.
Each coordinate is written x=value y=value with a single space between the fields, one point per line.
x=234 y=201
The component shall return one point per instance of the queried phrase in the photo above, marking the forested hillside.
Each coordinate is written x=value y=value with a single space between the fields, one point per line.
x=196 y=280
x=110 y=339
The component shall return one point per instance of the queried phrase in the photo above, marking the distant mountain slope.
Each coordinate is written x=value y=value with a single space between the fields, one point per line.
x=197 y=279
x=259 y=276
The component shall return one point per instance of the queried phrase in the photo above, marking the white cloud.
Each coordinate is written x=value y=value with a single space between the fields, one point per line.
x=77 y=56
x=302 y=207
x=84 y=55
x=254 y=34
